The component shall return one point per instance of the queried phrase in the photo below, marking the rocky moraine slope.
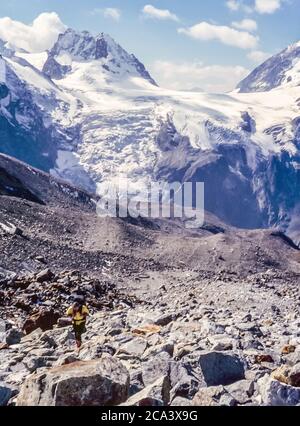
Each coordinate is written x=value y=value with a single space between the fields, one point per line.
x=178 y=317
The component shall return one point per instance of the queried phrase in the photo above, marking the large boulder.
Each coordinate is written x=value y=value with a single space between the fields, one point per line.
x=101 y=382
x=220 y=368
x=184 y=381
x=275 y=393
x=44 y=319
x=155 y=368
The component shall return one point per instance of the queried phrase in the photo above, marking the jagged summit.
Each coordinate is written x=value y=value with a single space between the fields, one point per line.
x=280 y=69
x=82 y=45
x=73 y=46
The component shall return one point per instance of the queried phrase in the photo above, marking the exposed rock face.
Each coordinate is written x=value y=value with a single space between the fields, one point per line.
x=55 y=70
x=92 y=383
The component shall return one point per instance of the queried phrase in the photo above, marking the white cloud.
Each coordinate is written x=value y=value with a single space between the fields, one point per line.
x=267 y=6
x=195 y=75
x=258 y=56
x=233 y=5
x=109 y=12
x=113 y=13
x=245 y=24
x=37 y=37
x=161 y=14
x=226 y=35
x=236 y=5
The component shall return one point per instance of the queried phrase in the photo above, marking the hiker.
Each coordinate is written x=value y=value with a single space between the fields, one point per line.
x=78 y=311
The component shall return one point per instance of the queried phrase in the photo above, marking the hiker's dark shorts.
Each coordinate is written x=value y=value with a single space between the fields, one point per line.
x=79 y=329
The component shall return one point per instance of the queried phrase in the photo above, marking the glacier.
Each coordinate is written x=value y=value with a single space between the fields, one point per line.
x=90 y=112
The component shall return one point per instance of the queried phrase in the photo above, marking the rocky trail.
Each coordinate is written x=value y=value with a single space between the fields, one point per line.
x=209 y=317
x=223 y=342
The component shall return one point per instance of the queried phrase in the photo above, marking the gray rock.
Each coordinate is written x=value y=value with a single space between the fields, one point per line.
x=220 y=344
x=154 y=350
x=104 y=381
x=157 y=394
x=136 y=382
x=184 y=381
x=219 y=368
x=134 y=348
x=164 y=320
x=249 y=327
x=36 y=334
x=182 y=350
x=208 y=397
x=11 y=229
x=17 y=378
x=13 y=336
x=5 y=395
x=32 y=363
x=66 y=359
x=248 y=342
x=44 y=275
x=156 y=367
x=293 y=358
x=208 y=327
x=275 y=393
x=241 y=391
x=57 y=337
x=227 y=400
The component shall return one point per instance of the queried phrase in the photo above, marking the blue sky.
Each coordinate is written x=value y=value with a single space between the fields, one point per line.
x=209 y=44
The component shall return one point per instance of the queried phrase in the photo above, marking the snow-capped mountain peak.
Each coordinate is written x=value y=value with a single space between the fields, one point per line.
x=77 y=47
x=281 y=69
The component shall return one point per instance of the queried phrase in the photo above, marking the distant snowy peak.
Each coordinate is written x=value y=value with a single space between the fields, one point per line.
x=73 y=46
x=281 y=69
